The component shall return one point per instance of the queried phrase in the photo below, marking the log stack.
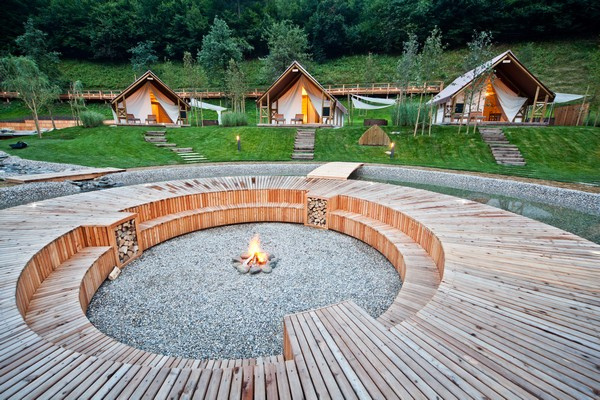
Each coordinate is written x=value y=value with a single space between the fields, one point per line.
x=316 y=212
x=127 y=242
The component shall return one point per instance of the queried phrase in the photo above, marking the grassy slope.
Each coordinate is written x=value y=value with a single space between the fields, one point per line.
x=555 y=153
x=562 y=65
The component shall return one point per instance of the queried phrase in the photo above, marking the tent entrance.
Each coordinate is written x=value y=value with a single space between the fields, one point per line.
x=311 y=116
x=158 y=110
x=492 y=110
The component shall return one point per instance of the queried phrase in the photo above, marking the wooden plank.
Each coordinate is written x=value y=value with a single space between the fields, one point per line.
x=334 y=170
x=77 y=175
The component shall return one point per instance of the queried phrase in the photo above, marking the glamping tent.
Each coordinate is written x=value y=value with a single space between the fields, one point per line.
x=296 y=97
x=149 y=100
x=505 y=95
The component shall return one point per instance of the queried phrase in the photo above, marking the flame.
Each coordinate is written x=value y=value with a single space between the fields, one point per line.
x=254 y=246
x=255 y=252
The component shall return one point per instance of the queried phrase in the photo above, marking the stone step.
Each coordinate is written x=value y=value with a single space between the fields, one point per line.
x=303 y=156
x=153 y=139
x=182 y=149
x=513 y=163
x=190 y=155
x=156 y=133
x=165 y=144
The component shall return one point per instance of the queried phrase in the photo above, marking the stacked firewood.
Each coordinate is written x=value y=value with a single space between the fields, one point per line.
x=127 y=243
x=317 y=212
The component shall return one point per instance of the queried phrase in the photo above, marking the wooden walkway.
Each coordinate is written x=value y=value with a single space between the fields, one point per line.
x=335 y=170
x=379 y=89
x=78 y=175
x=493 y=305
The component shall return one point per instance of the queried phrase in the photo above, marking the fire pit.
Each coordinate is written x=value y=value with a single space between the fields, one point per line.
x=255 y=260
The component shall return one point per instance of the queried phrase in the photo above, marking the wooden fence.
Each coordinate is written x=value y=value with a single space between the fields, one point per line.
x=572 y=115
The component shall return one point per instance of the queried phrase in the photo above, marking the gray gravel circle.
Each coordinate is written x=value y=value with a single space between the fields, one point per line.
x=184 y=297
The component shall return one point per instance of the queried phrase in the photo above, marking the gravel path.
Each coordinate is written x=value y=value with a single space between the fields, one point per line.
x=184 y=297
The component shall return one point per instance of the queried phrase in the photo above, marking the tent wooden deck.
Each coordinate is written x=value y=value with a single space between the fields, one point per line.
x=334 y=170
x=493 y=305
x=78 y=175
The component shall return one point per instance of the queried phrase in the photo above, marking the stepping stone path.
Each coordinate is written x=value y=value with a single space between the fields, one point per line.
x=504 y=152
x=159 y=139
x=304 y=145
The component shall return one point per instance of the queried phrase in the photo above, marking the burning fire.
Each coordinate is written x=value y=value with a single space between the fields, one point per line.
x=255 y=255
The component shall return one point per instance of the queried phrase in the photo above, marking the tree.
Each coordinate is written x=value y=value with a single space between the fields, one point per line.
x=195 y=78
x=478 y=61
x=34 y=44
x=143 y=56
x=287 y=42
x=22 y=75
x=76 y=100
x=431 y=62
x=49 y=98
x=218 y=48
x=370 y=74
x=407 y=71
x=235 y=82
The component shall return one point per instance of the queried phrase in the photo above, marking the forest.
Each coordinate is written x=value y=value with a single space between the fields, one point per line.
x=105 y=30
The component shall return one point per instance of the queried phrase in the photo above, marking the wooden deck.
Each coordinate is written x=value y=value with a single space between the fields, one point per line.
x=335 y=170
x=493 y=305
x=78 y=175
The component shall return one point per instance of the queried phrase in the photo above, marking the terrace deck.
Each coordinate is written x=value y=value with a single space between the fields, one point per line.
x=493 y=305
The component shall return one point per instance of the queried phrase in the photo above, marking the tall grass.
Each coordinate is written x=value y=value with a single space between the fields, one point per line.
x=234 y=119
x=405 y=113
x=91 y=119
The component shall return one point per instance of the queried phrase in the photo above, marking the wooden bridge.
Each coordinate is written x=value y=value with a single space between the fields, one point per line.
x=378 y=89
x=493 y=305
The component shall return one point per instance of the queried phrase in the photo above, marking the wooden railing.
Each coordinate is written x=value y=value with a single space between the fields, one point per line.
x=216 y=93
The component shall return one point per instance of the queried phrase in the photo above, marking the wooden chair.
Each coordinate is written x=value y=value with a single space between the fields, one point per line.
x=132 y=119
x=299 y=118
x=151 y=119
x=278 y=118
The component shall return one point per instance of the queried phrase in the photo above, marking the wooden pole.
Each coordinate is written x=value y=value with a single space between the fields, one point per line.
x=542 y=119
x=537 y=92
x=418 y=115
x=423 y=123
x=582 y=106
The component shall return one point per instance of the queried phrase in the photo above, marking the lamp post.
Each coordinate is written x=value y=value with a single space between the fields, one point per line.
x=239 y=145
x=392 y=151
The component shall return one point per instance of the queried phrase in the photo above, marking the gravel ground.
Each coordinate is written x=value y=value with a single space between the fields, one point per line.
x=184 y=297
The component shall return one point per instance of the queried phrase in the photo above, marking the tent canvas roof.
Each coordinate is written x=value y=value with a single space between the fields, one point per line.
x=287 y=79
x=150 y=76
x=513 y=73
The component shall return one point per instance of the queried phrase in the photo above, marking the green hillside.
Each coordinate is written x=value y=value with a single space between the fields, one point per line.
x=563 y=65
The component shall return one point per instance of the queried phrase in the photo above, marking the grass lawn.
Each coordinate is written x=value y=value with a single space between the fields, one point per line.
x=553 y=153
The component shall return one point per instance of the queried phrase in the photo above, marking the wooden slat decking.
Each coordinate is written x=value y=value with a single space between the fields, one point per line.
x=334 y=170
x=493 y=305
x=78 y=175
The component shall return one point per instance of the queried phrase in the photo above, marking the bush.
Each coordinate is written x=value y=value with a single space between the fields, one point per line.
x=91 y=119
x=234 y=119
x=405 y=113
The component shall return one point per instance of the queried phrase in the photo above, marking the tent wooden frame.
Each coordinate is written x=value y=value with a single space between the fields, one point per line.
x=282 y=84
x=149 y=76
x=513 y=74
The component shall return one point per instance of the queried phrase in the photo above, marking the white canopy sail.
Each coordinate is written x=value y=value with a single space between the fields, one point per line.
x=376 y=100
x=207 y=106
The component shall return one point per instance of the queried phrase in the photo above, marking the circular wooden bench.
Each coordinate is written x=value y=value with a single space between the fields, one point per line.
x=455 y=330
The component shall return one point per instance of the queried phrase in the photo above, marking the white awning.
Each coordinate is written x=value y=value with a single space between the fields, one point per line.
x=207 y=106
x=376 y=100
x=566 y=97
x=361 y=105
